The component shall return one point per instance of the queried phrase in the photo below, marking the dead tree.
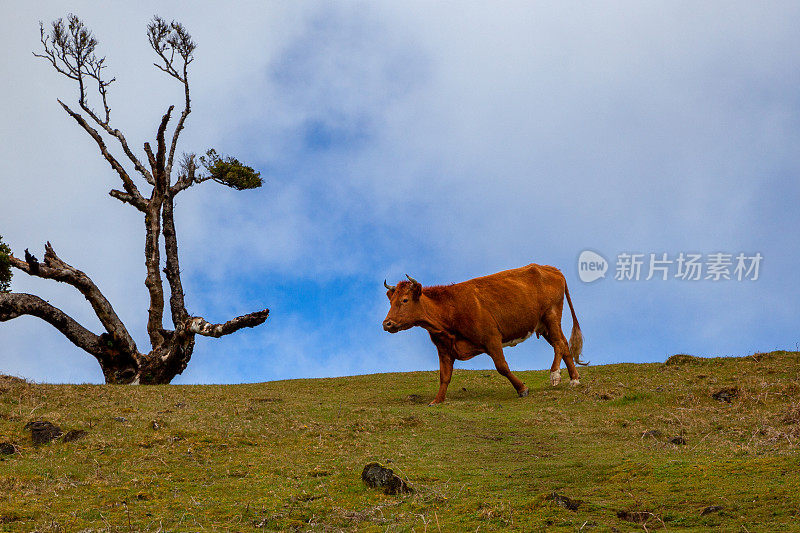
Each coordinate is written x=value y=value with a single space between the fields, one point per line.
x=69 y=47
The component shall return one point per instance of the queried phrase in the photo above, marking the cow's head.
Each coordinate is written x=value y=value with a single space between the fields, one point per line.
x=405 y=310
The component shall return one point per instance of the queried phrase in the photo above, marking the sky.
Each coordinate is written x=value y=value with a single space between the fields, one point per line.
x=444 y=140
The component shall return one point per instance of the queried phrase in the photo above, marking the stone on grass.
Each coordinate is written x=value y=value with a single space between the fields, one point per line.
x=377 y=476
x=6 y=448
x=43 y=431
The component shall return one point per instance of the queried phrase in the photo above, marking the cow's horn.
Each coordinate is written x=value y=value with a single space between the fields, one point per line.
x=390 y=287
x=412 y=280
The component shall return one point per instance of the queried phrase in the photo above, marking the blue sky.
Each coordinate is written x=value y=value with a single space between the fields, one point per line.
x=447 y=141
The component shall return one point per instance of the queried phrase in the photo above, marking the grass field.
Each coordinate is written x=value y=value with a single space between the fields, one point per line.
x=288 y=455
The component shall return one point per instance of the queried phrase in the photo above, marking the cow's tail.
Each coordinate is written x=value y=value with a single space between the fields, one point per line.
x=576 y=337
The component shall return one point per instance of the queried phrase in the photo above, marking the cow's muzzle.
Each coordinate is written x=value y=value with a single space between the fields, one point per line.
x=390 y=326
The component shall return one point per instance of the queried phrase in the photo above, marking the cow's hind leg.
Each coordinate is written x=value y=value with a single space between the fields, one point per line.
x=495 y=351
x=558 y=341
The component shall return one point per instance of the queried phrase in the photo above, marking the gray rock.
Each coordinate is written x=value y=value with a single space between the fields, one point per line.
x=379 y=477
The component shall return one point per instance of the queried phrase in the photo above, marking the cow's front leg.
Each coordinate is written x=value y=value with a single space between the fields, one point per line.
x=445 y=373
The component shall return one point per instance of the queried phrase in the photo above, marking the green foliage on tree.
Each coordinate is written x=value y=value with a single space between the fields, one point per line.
x=230 y=171
x=5 y=266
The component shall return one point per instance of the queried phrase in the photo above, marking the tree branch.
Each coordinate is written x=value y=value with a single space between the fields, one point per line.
x=14 y=304
x=122 y=197
x=70 y=50
x=56 y=269
x=136 y=198
x=122 y=141
x=172 y=270
x=186 y=110
x=162 y=178
x=201 y=327
x=152 y=259
x=188 y=176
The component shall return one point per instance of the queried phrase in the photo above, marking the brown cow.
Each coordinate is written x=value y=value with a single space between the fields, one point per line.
x=483 y=315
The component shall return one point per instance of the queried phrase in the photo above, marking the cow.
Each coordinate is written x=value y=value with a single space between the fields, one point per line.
x=486 y=314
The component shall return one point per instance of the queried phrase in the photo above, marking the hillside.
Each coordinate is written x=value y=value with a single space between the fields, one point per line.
x=642 y=446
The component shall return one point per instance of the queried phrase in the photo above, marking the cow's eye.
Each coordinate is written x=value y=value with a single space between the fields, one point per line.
x=405 y=300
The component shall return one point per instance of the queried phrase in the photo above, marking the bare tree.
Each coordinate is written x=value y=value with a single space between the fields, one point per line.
x=69 y=47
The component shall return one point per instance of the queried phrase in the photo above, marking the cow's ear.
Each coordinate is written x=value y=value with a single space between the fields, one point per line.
x=416 y=290
x=389 y=293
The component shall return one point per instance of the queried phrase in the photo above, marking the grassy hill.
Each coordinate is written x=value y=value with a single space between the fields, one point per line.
x=288 y=455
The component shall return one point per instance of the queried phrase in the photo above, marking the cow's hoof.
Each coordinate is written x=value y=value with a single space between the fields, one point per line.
x=555 y=378
x=574 y=382
x=434 y=404
x=523 y=393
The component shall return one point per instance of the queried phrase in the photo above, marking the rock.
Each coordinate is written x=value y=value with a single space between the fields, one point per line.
x=120 y=419
x=563 y=501
x=726 y=395
x=74 y=434
x=380 y=477
x=680 y=441
x=6 y=448
x=43 y=431
x=712 y=509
